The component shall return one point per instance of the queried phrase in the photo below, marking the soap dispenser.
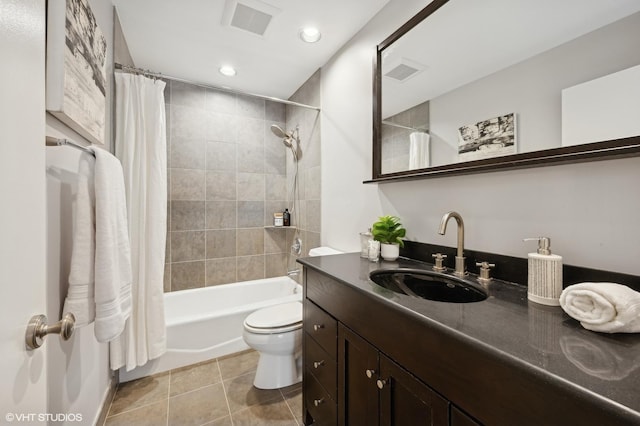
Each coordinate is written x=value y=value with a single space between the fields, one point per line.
x=545 y=274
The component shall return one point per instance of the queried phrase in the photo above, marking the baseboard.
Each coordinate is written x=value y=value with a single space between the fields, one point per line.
x=106 y=403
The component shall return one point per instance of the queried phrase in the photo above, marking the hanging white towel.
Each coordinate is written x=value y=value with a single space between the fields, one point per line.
x=112 y=252
x=80 y=295
x=605 y=307
x=418 y=150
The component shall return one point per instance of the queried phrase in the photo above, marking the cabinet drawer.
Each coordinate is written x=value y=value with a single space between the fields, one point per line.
x=319 y=404
x=321 y=326
x=321 y=365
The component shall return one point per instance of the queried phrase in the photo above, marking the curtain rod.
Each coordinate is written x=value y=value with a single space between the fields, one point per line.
x=51 y=141
x=389 y=123
x=148 y=73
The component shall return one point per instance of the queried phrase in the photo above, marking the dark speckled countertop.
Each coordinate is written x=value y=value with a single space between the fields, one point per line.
x=602 y=367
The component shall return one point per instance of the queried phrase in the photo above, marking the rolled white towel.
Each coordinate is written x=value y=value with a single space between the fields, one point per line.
x=604 y=307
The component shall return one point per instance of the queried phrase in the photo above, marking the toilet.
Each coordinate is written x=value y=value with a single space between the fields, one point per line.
x=276 y=333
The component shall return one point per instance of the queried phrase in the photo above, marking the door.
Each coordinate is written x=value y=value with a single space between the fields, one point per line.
x=406 y=401
x=23 y=387
x=357 y=375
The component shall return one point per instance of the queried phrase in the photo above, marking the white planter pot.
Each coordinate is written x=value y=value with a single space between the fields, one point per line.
x=389 y=251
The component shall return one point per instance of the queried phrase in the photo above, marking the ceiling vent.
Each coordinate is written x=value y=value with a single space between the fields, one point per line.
x=401 y=70
x=253 y=16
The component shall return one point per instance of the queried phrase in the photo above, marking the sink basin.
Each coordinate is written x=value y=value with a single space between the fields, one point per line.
x=429 y=285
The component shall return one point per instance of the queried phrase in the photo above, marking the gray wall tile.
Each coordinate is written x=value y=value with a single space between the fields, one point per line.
x=221 y=243
x=251 y=187
x=250 y=214
x=250 y=242
x=221 y=214
x=221 y=271
x=187 y=153
x=220 y=127
x=187 y=245
x=187 y=215
x=250 y=268
x=221 y=186
x=188 y=123
x=227 y=176
x=250 y=107
x=187 y=184
x=219 y=101
x=221 y=156
x=186 y=275
x=187 y=95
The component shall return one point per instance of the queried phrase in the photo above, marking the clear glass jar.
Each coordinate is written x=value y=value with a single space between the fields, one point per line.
x=365 y=237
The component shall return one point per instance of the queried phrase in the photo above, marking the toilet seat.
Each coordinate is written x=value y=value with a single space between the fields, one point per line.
x=275 y=319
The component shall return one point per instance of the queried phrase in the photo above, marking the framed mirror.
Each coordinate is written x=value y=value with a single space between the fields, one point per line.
x=468 y=86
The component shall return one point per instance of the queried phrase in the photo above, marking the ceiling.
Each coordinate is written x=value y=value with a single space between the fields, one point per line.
x=188 y=39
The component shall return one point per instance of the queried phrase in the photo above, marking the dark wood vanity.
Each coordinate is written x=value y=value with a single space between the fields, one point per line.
x=373 y=357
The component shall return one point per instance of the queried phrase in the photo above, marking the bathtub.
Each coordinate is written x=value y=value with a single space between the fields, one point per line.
x=206 y=323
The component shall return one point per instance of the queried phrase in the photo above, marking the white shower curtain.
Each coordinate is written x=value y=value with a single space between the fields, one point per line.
x=141 y=147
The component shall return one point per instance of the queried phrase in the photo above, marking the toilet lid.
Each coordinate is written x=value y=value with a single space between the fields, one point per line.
x=277 y=316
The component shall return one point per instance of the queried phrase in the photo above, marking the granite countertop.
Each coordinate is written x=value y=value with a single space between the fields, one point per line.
x=602 y=367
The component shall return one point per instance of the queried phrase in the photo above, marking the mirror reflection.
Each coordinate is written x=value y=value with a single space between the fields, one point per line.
x=476 y=80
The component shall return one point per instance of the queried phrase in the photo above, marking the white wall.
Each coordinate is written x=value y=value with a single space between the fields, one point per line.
x=79 y=371
x=589 y=210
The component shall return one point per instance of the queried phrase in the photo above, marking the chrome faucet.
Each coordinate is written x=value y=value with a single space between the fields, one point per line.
x=460 y=269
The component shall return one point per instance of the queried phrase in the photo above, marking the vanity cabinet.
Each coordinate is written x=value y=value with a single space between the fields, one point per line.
x=377 y=391
x=348 y=381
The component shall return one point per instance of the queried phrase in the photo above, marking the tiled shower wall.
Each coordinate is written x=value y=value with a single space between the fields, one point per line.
x=227 y=176
x=308 y=122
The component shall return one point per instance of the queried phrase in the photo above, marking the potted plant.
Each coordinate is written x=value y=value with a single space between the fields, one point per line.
x=389 y=231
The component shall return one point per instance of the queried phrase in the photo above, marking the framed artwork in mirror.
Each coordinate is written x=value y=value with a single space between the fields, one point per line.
x=76 y=68
x=489 y=138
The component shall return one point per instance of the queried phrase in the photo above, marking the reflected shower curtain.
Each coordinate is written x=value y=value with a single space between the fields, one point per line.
x=141 y=147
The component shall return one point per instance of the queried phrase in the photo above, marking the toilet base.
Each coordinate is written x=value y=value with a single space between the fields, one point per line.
x=278 y=371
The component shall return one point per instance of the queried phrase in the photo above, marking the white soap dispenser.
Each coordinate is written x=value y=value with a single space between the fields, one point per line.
x=545 y=274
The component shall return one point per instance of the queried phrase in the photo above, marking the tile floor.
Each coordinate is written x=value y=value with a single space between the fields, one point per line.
x=213 y=393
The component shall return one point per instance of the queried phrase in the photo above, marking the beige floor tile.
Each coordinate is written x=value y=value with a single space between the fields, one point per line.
x=193 y=377
x=275 y=413
x=137 y=393
x=149 y=415
x=242 y=394
x=293 y=398
x=238 y=364
x=198 y=407
x=225 y=421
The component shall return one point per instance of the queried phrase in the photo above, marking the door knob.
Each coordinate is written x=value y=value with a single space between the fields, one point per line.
x=37 y=329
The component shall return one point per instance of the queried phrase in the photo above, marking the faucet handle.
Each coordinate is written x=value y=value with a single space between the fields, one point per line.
x=485 y=267
x=439 y=257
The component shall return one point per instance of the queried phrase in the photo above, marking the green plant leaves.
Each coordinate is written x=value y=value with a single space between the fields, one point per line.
x=388 y=230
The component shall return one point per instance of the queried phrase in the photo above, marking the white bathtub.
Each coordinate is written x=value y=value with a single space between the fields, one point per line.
x=206 y=323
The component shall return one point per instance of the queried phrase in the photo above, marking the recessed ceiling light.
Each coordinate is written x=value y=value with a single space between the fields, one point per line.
x=227 y=70
x=310 y=34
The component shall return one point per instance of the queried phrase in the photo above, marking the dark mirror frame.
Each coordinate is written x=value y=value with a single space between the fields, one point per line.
x=605 y=150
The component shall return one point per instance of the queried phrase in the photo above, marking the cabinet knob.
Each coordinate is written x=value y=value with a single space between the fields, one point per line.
x=317 y=364
x=381 y=383
x=317 y=327
x=317 y=402
x=370 y=373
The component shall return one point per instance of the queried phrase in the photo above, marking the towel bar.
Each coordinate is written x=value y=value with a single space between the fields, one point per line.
x=37 y=329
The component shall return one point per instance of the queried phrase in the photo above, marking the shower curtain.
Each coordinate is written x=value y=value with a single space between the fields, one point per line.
x=141 y=147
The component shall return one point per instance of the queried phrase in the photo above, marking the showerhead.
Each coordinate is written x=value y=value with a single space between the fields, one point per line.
x=277 y=130
x=287 y=137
